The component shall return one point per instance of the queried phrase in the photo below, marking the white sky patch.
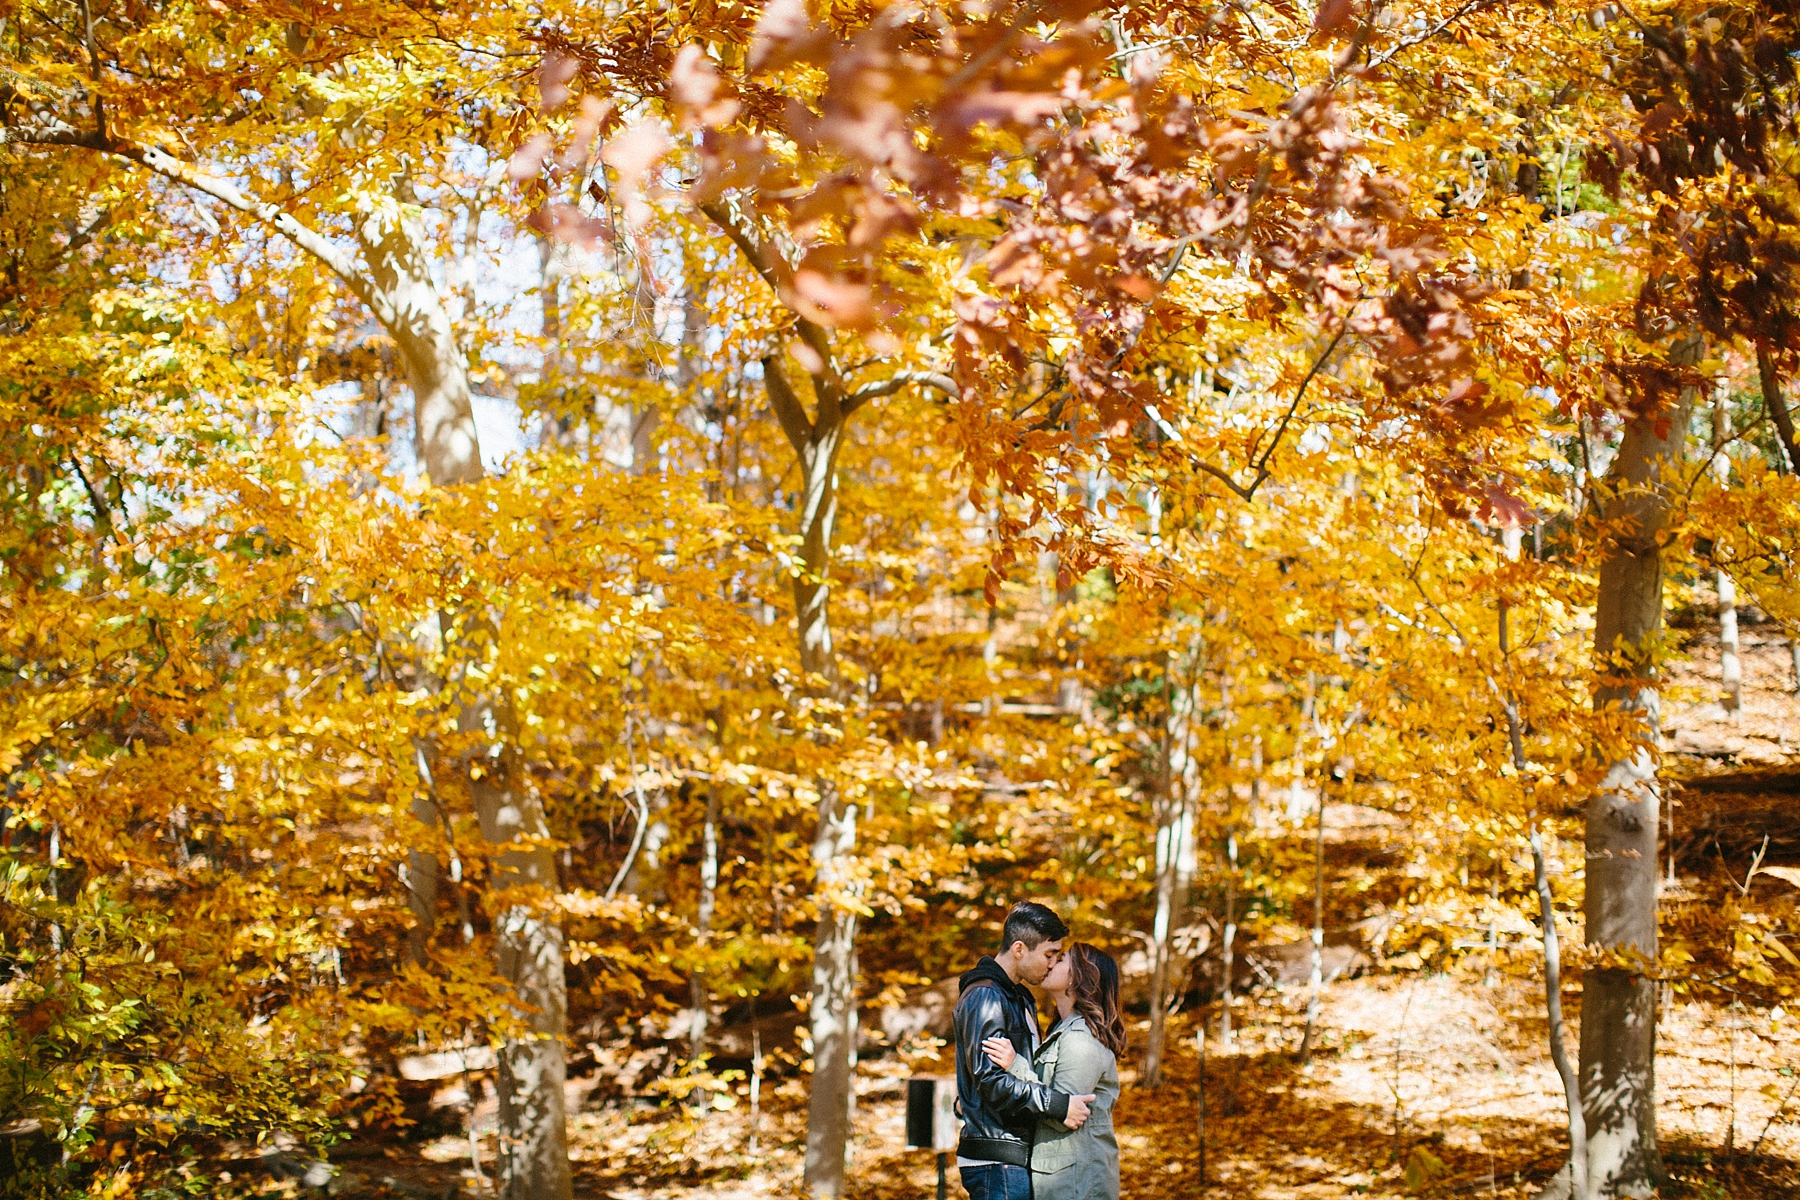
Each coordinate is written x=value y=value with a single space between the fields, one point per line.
x=501 y=428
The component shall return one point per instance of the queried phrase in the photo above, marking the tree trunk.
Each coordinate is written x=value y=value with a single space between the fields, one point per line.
x=534 y=1151
x=443 y=416
x=709 y=886
x=833 y=998
x=1171 y=837
x=853 y=1037
x=1618 y=1011
x=816 y=441
x=1316 y=972
x=756 y=1074
x=534 y=1159
x=834 y=941
x=1315 y=983
x=1731 y=669
x=1174 y=812
x=1577 y=1167
x=1559 y=1053
x=1228 y=942
x=812 y=584
x=445 y=444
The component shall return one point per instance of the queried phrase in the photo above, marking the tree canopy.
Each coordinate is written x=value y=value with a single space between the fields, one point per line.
x=527 y=520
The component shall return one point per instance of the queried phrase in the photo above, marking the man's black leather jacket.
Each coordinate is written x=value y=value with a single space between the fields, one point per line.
x=1000 y=1112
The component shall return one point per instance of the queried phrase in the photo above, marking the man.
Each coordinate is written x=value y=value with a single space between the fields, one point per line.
x=1000 y=1112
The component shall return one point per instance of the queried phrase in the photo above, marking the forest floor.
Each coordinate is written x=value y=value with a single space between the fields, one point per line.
x=1420 y=1086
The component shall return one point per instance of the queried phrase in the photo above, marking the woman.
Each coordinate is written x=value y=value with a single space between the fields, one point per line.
x=1080 y=1056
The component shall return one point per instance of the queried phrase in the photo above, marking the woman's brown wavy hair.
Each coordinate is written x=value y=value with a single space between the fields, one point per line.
x=1094 y=982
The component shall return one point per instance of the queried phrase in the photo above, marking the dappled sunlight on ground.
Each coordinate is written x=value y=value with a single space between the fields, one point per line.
x=1427 y=1085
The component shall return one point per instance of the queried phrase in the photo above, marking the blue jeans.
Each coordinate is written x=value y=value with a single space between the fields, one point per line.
x=999 y=1181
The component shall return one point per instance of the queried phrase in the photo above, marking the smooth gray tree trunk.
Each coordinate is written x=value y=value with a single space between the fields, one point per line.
x=1228 y=943
x=1172 y=836
x=833 y=1000
x=443 y=415
x=699 y=999
x=1174 y=813
x=812 y=584
x=816 y=441
x=1315 y=980
x=1575 y=1172
x=1618 y=1010
x=534 y=1150
x=1731 y=667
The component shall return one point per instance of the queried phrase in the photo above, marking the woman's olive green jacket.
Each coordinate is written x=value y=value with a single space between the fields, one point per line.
x=1075 y=1164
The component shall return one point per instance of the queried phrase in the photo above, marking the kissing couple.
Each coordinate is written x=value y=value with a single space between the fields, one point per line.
x=1037 y=1109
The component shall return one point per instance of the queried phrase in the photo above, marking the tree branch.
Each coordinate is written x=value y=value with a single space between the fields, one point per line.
x=1771 y=390
x=1260 y=463
x=643 y=807
x=88 y=232
x=285 y=223
x=1381 y=60
x=58 y=133
x=754 y=251
x=77 y=239
x=975 y=66
x=788 y=409
x=766 y=264
x=102 y=512
x=896 y=381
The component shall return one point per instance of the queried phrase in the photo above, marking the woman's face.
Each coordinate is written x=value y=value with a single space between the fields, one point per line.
x=1057 y=981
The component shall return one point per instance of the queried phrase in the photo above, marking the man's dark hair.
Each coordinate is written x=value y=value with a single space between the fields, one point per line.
x=1031 y=923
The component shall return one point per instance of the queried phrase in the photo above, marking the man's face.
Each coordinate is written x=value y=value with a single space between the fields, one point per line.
x=1034 y=964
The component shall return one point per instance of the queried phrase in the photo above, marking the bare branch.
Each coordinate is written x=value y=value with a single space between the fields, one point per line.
x=103 y=517
x=1405 y=44
x=1260 y=463
x=766 y=264
x=900 y=379
x=643 y=807
x=1224 y=477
